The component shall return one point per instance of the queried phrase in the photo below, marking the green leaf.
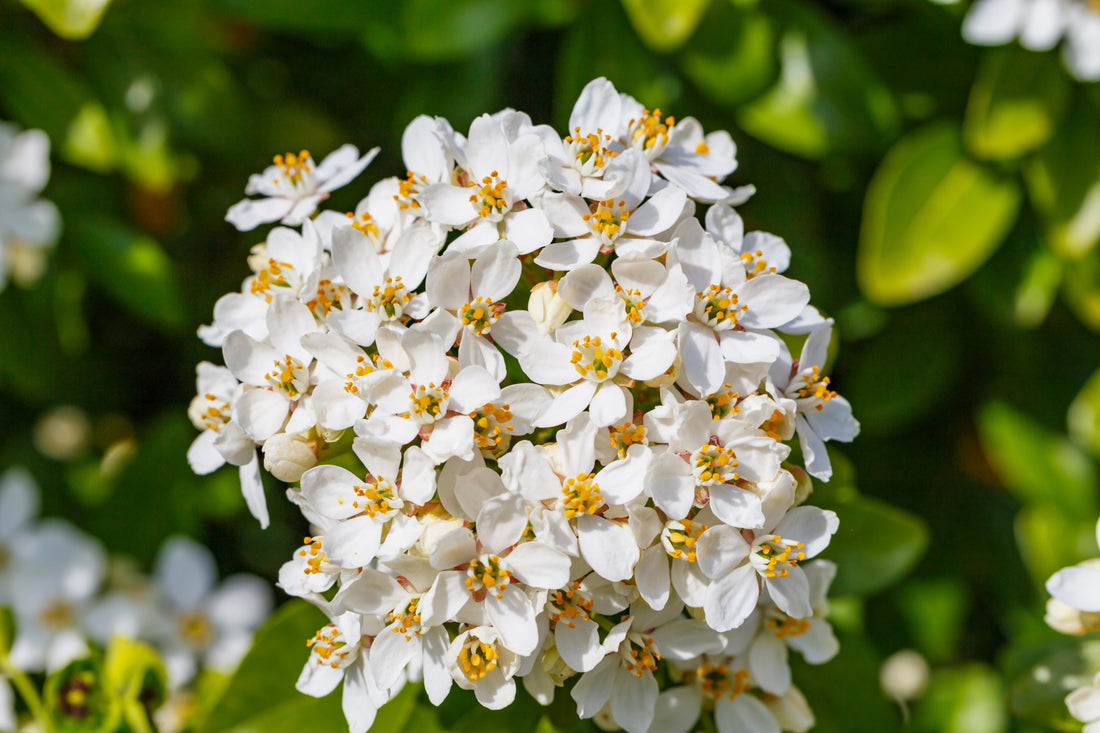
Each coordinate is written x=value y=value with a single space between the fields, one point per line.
x=935 y=612
x=1043 y=674
x=827 y=98
x=876 y=545
x=1038 y=465
x=1015 y=103
x=129 y=267
x=930 y=219
x=1037 y=289
x=732 y=56
x=664 y=25
x=969 y=699
x=70 y=19
x=1082 y=288
x=24 y=73
x=1084 y=415
x=857 y=705
x=261 y=696
x=1063 y=181
x=1048 y=540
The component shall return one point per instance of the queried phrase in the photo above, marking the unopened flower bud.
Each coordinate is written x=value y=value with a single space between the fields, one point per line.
x=556 y=668
x=287 y=457
x=547 y=308
x=436 y=524
x=791 y=711
x=904 y=675
x=257 y=257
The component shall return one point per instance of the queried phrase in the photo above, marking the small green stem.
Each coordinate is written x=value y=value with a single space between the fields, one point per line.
x=26 y=690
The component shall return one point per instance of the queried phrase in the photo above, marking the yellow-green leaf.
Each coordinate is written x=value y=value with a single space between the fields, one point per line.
x=1084 y=415
x=665 y=24
x=70 y=19
x=1015 y=103
x=930 y=219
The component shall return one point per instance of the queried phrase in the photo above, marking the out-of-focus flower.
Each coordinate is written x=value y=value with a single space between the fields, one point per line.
x=27 y=224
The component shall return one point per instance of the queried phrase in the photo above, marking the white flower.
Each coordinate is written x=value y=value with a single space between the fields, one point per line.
x=56 y=570
x=480 y=662
x=337 y=654
x=294 y=185
x=1084 y=705
x=19 y=503
x=1039 y=25
x=27 y=224
x=201 y=619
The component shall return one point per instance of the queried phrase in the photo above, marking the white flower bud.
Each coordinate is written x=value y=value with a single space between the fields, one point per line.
x=287 y=457
x=547 y=307
x=792 y=711
x=435 y=525
x=556 y=668
x=904 y=675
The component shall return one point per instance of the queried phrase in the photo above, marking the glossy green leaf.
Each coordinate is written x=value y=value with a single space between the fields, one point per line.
x=1082 y=288
x=1036 y=464
x=1048 y=540
x=898 y=538
x=732 y=56
x=25 y=71
x=935 y=612
x=1015 y=104
x=261 y=696
x=131 y=268
x=827 y=98
x=70 y=19
x=664 y=25
x=930 y=219
x=1084 y=415
x=857 y=705
x=1038 y=288
x=1063 y=181
x=968 y=699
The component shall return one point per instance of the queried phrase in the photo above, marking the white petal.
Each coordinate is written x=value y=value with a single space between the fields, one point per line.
x=731 y=598
x=1078 y=587
x=252 y=488
x=352 y=543
x=513 y=616
x=744 y=713
x=720 y=550
x=791 y=593
x=652 y=578
x=736 y=507
x=768 y=664
x=185 y=572
x=608 y=547
x=539 y=565
x=633 y=700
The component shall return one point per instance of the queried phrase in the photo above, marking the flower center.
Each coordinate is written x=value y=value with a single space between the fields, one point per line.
x=640 y=654
x=313 y=554
x=784 y=627
x=679 y=538
x=593 y=360
x=429 y=403
x=723 y=403
x=816 y=389
x=377 y=498
x=207 y=412
x=717 y=307
x=714 y=464
x=625 y=435
x=407 y=619
x=480 y=315
x=486 y=572
x=328 y=644
x=589 y=153
x=275 y=275
x=365 y=223
x=718 y=680
x=775 y=426
x=330 y=296
x=408 y=189
x=493 y=199
x=581 y=495
x=649 y=133
x=73 y=697
x=633 y=302
x=774 y=556
x=363 y=367
x=755 y=264
x=294 y=167
x=57 y=615
x=491 y=425
x=608 y=220
x=477 y=659
x=390 y=298
x=195 y=629
x=290 y=377
x=569 y=606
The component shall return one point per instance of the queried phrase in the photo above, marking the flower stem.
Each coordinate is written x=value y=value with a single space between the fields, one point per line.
x=22 y=683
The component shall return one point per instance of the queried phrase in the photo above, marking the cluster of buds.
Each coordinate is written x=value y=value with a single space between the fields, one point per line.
x=540 y=416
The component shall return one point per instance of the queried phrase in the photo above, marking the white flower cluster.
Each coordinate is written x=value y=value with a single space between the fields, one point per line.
x=1074 y=608
x=541 y=418
x=62 y=592
x=1040 y=25
x=27 y=224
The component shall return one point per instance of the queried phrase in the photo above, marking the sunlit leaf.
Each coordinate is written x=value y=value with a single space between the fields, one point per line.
x=827 y=98
x=665 y=24
x=1048 y=540
x=931 y=217
x=1084 y=415
x=898 y=538
x=1015 y=103
x=1063 y=181
x=1037 y=289
x=1036 y=464
x=131 y=268
x=1082 y=288
x=968 y=699
x=935 y=611
x=70 y=19
x=732 y=56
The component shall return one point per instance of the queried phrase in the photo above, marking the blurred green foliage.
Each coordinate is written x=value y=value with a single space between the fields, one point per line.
x=942 y=202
